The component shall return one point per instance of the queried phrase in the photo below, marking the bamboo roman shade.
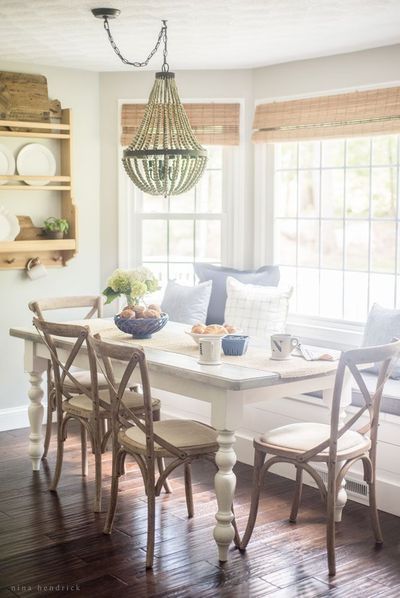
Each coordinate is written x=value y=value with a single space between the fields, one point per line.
x=345 y=115
x=212 y=124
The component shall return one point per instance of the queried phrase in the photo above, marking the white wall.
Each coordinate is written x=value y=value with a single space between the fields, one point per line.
x=369 y=68
x=78 y=90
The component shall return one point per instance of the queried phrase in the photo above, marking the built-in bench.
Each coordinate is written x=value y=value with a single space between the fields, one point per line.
x=391 y=395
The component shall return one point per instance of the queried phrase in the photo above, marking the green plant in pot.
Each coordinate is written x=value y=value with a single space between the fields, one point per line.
x=55 y=228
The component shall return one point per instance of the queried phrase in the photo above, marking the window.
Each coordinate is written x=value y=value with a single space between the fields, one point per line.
x=171 y=234
x=336 y=224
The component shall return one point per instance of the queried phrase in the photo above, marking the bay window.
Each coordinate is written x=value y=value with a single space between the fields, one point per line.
x=336 y=223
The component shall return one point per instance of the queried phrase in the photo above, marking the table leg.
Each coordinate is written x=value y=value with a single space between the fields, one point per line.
x=35 y=366
x=35 y=414
x=225 y=484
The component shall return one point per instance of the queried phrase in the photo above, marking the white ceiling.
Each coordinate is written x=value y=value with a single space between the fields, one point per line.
x=203 y=34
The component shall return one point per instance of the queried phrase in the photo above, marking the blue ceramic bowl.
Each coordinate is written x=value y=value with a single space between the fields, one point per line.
x=235 y=344
x=141 y=327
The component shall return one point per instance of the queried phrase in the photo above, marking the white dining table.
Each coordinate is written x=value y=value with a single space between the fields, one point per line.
x=228 y=388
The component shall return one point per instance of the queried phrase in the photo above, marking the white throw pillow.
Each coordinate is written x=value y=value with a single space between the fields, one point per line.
x=187 y=305
x=256 y=310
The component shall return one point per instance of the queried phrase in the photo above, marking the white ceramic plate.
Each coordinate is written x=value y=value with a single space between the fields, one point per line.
x=7 y=163
x=36 y=159
x=9 y=225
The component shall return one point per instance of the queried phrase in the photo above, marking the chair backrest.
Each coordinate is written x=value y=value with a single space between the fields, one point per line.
x=52 y=334
x=352 y=362
x=95 y=302
x=122 y=416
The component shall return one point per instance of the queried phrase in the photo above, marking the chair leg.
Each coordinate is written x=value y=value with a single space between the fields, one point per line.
x=151 y=524
x=49 y=419
x=161 y=467
x=84 y=455
x=236 y=538
x=330 y=528
x=98 y=488
x=259 y=458
x=61 y=437
x=116 y=473
x=160 y=460
x=188 y=489
x=376 y=526
x=297 y=495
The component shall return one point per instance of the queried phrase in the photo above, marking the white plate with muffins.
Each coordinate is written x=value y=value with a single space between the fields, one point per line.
x=199 y=331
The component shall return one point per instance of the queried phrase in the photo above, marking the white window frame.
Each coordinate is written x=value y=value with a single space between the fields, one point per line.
x=232 y=250
x=331 y=332
x=334 y=333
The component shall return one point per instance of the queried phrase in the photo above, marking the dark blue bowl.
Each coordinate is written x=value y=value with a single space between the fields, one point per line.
x=235 y=344
x=141 y=327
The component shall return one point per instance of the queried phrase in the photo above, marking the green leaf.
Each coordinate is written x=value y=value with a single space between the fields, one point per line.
x=110 y=294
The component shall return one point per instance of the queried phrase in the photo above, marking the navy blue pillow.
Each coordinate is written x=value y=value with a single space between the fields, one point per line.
x=267 y=276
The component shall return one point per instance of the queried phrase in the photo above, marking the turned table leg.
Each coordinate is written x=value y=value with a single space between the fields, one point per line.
x=226 y=417
x=225 y=484
x=35 y=367
x=35 y=414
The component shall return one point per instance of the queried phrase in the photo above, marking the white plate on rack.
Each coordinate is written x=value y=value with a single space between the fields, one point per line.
x=36 y=159
x=9 y=225
x=7 y=163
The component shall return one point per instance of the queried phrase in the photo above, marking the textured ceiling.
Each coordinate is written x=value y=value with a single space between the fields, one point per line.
x=202 y=33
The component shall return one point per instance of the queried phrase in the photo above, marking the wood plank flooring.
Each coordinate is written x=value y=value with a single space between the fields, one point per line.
x=52 y=544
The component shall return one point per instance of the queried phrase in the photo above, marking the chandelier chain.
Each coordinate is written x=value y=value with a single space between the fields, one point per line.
x=162 y=36
x=165 y=66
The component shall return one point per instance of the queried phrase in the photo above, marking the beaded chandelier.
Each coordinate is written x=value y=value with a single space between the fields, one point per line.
x=164 y=157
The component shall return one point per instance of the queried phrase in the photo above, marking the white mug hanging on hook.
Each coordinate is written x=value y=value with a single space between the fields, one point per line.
x=35 y=269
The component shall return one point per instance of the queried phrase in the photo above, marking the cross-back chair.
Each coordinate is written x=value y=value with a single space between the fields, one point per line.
x=148 y=440
x=39 y=307
x=339 y=447
x=91 y=406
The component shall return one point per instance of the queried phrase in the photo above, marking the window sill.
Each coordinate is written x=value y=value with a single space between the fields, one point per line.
x=335 y=334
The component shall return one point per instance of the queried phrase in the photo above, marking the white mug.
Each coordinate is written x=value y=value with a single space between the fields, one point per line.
x=35 y=269
x=210 y=351
x=282 y=345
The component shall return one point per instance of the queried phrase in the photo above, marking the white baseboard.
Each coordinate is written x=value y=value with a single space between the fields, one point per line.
x=14 y=418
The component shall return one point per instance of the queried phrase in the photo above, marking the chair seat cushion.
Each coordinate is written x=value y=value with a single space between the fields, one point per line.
x=83 y=404
x=83 y=377
x=181 y=433
x=304 y=436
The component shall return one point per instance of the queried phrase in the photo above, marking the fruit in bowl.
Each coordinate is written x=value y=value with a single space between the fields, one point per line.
x=141 y=322
x=199 y=331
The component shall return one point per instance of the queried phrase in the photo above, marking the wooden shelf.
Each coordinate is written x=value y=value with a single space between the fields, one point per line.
x=52 y=126
x=35 y=187
x=48 y=130
x=24 y=177
x=35 y=246
x=51 y=252
x=36 y=135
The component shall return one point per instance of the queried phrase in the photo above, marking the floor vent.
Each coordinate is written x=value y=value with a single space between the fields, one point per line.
x=353 y=486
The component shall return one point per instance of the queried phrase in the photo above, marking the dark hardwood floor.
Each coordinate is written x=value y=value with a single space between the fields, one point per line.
x=52 y=545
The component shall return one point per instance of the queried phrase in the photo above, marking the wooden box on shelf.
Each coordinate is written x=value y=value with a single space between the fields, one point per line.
x=29 y=244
